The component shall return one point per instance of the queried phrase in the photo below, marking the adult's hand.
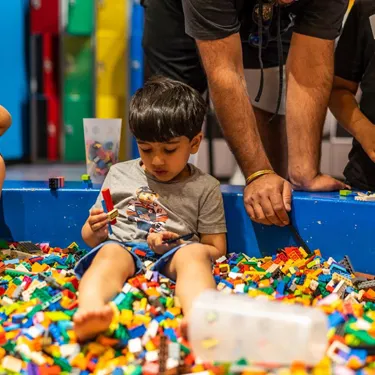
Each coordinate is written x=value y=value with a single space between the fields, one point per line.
x=321 y=182
x=268 y=200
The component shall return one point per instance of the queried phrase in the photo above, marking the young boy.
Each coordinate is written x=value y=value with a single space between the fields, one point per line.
x=5 y=122
x=354 y=67
x=159 y=197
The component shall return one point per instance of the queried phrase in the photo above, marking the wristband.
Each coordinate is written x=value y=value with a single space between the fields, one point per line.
x=258 y=174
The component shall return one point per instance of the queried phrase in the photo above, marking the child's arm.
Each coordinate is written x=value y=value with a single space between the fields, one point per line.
x=344 y=106
x=95 y=230
x=5 y=120
x=217 y=244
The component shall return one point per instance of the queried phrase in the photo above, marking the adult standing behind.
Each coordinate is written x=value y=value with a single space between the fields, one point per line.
x=354 y=67
x=253 y=38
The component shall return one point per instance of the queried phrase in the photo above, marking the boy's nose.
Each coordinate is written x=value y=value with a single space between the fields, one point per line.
x=157 y=160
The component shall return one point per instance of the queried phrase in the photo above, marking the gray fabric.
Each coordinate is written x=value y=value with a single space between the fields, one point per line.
x=193 y=205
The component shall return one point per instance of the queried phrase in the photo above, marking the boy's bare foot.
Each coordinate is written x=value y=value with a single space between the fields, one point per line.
x=88 y=324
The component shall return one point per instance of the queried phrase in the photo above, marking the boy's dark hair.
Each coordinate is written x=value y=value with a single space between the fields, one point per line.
x=164 y=109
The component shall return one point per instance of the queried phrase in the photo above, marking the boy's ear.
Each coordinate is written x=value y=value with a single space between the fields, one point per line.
x=195 y=143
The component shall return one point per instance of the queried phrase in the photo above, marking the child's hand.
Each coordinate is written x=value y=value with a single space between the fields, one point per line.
x=98 y=221
x=155 y=241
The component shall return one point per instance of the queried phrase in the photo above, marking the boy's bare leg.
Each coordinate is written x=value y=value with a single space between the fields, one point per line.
x=111 y=267
x=191 y=267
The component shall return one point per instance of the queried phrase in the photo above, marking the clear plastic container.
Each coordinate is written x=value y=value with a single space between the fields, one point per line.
x=226 y=328
x=102 y=141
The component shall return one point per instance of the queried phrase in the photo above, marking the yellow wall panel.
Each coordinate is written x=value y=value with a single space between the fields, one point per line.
x=112 y=62
x=111 y=15
x=111 y=65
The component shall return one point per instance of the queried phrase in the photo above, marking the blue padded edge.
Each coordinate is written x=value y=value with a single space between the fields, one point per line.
x=336 y=225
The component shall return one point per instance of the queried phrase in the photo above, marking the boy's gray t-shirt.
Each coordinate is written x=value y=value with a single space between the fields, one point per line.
x=144 y=203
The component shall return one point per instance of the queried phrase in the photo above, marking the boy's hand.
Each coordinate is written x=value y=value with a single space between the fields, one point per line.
x=98 y=222
x=155 y=242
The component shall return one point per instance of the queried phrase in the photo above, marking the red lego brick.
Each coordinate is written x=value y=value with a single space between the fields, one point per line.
x=140 y=252
x=108 y=202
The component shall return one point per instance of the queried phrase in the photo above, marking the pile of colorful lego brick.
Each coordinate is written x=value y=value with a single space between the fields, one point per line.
x=38 y=300
x=101 y=157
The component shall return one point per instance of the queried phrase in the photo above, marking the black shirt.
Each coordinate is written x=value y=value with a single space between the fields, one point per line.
x=215 y=19
x=355 y=61
x=172 y=52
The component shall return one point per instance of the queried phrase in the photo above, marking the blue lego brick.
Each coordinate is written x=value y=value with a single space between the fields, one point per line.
x=169 y=332
x=335 y=319
x=280 y=288
x=137 y=331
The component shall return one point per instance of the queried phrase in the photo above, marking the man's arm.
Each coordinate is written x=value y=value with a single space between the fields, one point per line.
x=344 y=107
x=309 y=83
x=222 y=60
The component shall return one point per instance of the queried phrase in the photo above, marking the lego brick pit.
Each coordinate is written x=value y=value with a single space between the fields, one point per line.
x=38 y=296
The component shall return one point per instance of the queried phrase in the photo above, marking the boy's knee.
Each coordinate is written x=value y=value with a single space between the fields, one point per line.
x=111 y=252
x=194 y=253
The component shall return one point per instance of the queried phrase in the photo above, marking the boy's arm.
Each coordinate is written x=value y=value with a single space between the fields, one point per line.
x=5 y=120
x=344 y=107
x=351 y=62
x=217 y=244
x=211 y=222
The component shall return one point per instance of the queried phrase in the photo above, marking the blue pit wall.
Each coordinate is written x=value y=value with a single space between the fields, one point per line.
x=338 y=226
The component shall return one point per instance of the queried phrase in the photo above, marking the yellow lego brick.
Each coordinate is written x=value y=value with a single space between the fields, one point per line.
x=143 y=304
x=198 y=368
x=150 y=346
x=96 y=349
x=337 y=278
x=224 y=268
x=169 y=302
x=112 y=214
x=79 y=361
x=36 y=267
x=264 y=283
x=130 y=357
x=175 y=310
x=56 y=316
x=313 y=263
x=140 y=319
x=303 y=252
x=10 y=309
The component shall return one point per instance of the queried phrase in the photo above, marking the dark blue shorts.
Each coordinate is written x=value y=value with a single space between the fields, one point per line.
x=159 y=261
